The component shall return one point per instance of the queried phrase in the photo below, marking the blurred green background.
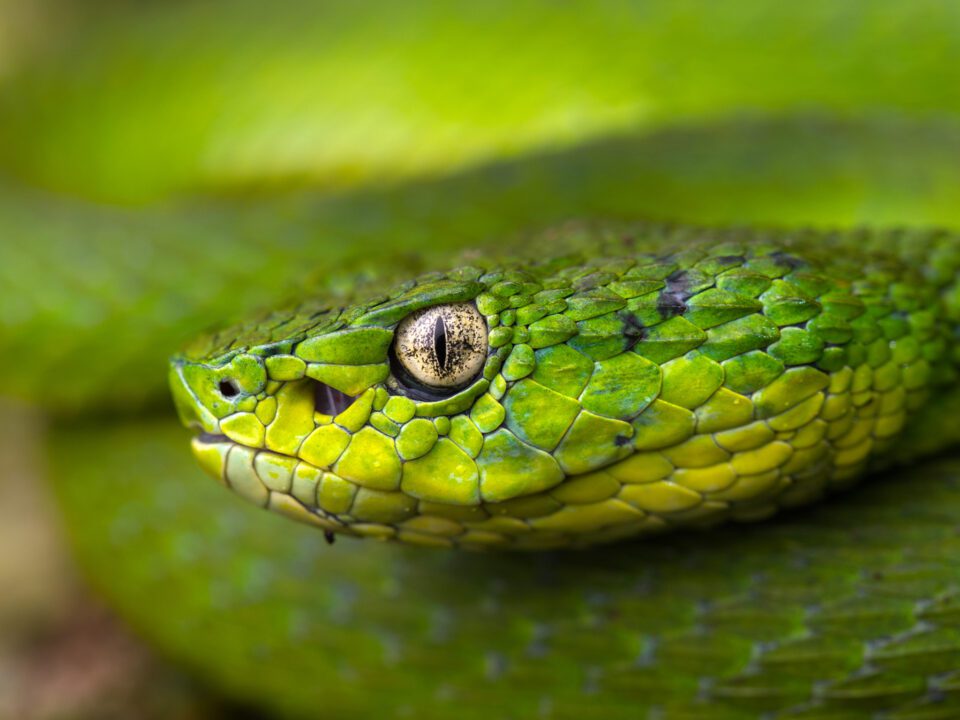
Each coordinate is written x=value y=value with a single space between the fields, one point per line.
x=134 y=102
x=157 y=157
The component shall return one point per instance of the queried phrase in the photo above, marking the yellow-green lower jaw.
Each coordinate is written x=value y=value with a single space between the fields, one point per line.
x=269 y=480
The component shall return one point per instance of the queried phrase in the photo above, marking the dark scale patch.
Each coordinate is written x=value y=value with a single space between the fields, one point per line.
x=266 y=351
x=730 y=259
x=592 y=281
x=788 y=260
x=622 y=440
x=673 y=298
x=633 y=329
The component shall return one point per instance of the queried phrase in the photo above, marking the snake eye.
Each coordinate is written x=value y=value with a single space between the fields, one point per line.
x=228 y=388
x=442 y=347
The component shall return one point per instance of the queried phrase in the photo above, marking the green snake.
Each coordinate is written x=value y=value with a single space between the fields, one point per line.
x=444 y=360
x=641 y=384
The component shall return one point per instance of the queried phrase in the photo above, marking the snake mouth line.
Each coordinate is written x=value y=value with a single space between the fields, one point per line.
x=213 y=438
x=228 y=445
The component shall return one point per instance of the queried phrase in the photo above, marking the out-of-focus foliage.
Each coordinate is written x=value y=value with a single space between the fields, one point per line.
x=29 y=29
x=142 y=100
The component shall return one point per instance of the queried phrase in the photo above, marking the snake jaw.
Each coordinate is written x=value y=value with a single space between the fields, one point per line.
x=267 y=479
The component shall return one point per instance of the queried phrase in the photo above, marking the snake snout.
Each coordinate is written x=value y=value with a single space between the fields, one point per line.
x=191 y=413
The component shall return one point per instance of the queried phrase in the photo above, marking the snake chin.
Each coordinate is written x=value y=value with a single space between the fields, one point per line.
x=268 y=479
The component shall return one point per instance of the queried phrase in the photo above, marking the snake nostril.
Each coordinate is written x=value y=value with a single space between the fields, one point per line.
x=228 y=388
x=330 y=401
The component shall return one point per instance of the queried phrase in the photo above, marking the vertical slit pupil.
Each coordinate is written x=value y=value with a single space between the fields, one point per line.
x=440 y=341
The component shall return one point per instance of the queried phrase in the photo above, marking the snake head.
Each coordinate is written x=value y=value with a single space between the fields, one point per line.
x=554 y=403
x=411 y=414
x=353 y=418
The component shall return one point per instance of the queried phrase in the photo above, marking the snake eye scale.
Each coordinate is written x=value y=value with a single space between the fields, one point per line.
x=606 y=384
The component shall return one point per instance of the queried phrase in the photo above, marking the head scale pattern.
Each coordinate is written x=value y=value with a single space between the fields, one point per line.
x=616 y=394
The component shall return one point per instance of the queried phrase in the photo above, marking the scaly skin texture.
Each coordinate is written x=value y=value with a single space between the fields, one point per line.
x=649 y=379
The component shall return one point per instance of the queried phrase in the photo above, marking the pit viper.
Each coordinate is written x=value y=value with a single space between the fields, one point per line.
x=448 y=360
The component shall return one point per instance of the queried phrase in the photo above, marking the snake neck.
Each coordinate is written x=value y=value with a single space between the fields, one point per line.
x=931 y=258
